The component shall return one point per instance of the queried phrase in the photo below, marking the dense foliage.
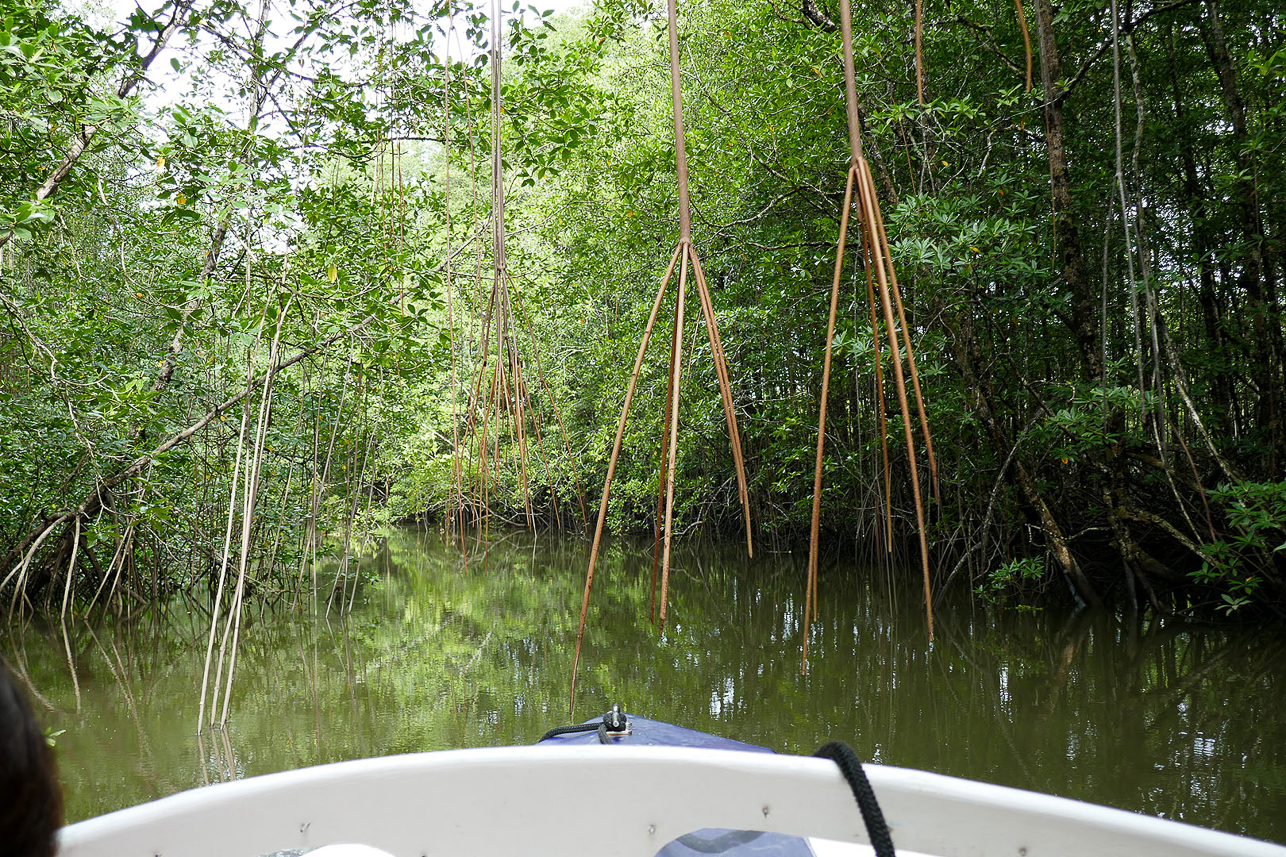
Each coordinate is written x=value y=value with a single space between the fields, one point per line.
x=1091 y=264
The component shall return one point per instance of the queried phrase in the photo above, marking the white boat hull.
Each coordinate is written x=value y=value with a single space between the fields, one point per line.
x=619 y=800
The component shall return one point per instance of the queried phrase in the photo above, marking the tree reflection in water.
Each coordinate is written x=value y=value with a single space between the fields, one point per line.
x=1152 y=715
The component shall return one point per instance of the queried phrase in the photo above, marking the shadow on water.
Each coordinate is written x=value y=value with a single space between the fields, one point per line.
x=1156 y=716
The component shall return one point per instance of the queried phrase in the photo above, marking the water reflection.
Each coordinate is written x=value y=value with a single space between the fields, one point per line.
x=438 y=652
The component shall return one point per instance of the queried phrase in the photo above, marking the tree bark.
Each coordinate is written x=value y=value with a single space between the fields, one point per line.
x=1258 y=270
x=1067 y=238
x=1203 y=245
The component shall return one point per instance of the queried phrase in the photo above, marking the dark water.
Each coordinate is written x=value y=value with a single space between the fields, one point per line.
x=1162 y=717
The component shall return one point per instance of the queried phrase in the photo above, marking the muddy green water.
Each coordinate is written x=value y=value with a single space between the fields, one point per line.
x=1158 y=717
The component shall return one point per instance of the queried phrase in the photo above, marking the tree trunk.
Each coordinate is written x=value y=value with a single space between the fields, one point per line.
x=967 y=353
x=1203 y=246
x=260 y=85
x=1258 y=271
x=1067 y=238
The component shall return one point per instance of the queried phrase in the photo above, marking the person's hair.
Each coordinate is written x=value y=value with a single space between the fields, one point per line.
x=31 y=806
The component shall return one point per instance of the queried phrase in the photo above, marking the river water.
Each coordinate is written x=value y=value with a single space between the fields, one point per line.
x=440 y=651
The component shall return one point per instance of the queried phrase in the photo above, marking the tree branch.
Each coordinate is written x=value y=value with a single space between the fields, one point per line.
x=94 y=501
x=1126 y=28
x=87 y=134
x=817 y=17
x=988 y=41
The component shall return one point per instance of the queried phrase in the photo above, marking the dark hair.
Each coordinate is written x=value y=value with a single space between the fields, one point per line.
x=31 y=806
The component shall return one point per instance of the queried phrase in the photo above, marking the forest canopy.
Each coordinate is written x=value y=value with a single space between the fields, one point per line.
x=246 y=268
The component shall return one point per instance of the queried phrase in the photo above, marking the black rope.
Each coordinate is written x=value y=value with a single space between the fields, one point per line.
x=613 y=721
x=569 y=730
x=851 y=767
